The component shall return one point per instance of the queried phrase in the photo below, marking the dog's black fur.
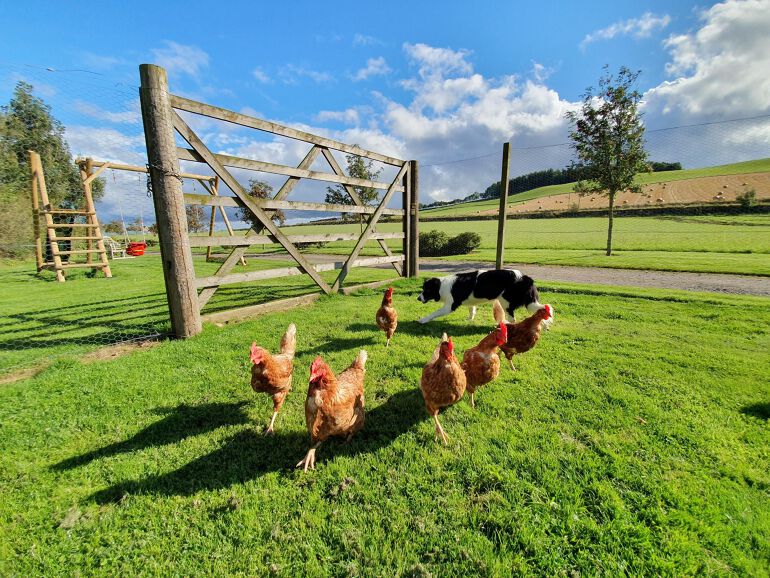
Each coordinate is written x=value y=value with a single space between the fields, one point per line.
x=510 y=287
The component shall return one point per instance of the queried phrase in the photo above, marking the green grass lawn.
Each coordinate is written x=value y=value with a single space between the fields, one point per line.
x=718 y=244
x=756 y=166
x=41 y=319
x=632 y=440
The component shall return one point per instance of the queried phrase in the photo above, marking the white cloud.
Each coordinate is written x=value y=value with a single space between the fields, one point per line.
x=130 y=115
x=720 y=70
x=438 y=61
x=261 y=76
x=291 y=74
x=181 y=58
x=374 y=67
x=641 y=27
x=349 y=116
x=364 y=40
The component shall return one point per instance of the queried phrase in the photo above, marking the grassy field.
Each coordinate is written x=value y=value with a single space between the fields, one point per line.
x=41 y=319
x=718 y=244
x=632 y=440
x=756 y=166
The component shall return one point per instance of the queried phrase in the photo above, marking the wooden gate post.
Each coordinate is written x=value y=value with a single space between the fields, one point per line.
x=168 y=199
x=414 y=219
x=501 y=214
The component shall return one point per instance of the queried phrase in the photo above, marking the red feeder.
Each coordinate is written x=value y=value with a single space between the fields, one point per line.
x=136 y=249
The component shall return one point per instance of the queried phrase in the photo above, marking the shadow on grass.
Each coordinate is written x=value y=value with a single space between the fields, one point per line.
x=248 y=455
x=180 y=422
x=434 y=329
x=760 y=410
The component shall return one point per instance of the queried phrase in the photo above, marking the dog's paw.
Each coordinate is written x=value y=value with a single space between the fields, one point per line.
x=424 y=320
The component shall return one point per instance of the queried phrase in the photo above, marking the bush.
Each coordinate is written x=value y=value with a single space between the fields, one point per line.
x=465 y=243
x=439 y=244
x=747 y=199
x=433 y=243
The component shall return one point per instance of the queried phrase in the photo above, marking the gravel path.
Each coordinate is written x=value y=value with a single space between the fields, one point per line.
x=709 y=282
x=714 y=282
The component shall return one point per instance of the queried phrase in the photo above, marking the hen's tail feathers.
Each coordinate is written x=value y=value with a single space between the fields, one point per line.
x=360 y=360
x=289 y=341
x=498 y=312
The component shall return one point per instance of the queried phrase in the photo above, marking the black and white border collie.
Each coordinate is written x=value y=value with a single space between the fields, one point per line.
x=508 y=286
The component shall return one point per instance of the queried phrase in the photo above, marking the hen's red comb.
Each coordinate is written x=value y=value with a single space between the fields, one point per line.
x=257 y=353
x=504 y=330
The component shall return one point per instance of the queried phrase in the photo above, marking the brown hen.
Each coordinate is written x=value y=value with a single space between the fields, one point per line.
x=387 y=317
x=271 y=374
x=524 y=335
x=481 y=363
x=443 y=382
x=334 y=405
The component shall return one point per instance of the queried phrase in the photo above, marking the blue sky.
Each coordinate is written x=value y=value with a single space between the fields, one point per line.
x=438 y=82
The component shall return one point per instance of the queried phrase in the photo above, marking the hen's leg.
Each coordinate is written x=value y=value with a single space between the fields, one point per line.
x=309 y=460
x=471 y=313
x=440 y=430
x=269 y=430
x=473 y=402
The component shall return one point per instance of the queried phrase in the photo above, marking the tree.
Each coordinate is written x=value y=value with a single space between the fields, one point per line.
x=195 y=218
x=608 y=136
x=26 y=124
x=260 y=190
x=359 y=168
x=114 y=226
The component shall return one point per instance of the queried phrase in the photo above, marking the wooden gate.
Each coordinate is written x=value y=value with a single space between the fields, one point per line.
x=162 y=121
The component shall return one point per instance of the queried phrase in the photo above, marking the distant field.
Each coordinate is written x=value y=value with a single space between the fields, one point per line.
x=736 y=244
x=481 y=207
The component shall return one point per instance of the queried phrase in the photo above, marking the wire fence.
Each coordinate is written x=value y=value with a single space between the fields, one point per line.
x=42 y=319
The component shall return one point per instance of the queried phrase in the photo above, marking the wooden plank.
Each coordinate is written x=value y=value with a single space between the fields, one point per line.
x=405 y=226
x=69 y=225
x=92 y=219
x=137 y=169
x=372 y=221
x=213 y=190
x=193 y=140
x=292 y=303
x=414 y=219
x=39 y=260
x=248 y=276
x=238 y=253
x=36 y=166
x=247 y=241
x=265 y=167
x=357 y=200
x=259 y=124
x=504 y=185
x=176 y=256
x=219 y=201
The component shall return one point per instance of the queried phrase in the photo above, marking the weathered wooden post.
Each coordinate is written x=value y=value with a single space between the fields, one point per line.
x=414 y=219
x=178 y=270
x=405 y=224
x=503 y=206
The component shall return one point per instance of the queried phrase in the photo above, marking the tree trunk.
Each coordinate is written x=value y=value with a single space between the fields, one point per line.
x=609 y=225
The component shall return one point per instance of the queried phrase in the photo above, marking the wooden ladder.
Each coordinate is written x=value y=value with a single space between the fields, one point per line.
x=90 y=231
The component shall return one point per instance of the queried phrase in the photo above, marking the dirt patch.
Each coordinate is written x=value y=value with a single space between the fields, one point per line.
x=704 y=191
x=19 y=374
x=114 y=351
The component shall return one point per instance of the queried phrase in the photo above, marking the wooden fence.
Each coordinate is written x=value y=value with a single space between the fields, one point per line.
x=187 y=295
